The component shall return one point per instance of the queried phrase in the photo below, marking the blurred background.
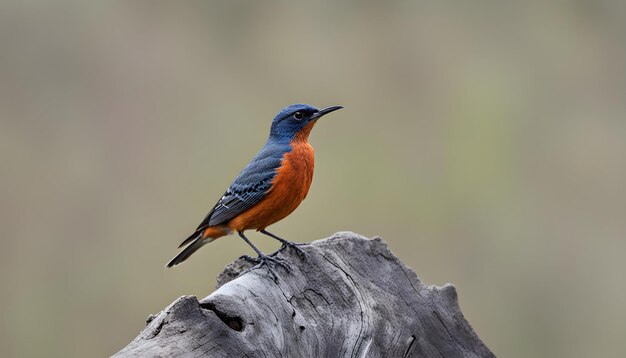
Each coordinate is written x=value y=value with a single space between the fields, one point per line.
x=484 y=141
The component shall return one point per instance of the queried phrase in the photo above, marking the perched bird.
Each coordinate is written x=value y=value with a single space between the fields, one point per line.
x=268 y=189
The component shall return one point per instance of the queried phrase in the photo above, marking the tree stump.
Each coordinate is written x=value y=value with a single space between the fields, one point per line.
x=350 y=297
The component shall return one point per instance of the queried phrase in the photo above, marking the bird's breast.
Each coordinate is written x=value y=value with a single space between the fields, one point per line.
x=296 y=171
x=293 y=179
x=289 y=188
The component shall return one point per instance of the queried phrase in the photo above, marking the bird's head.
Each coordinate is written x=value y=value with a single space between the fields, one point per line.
x=295 y=119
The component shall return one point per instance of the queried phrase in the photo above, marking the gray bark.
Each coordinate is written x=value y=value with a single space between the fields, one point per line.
x=350 y=297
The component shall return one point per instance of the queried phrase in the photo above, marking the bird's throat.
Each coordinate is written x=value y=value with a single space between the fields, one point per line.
x=303 y=135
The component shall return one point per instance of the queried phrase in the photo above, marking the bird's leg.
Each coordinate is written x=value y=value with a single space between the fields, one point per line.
x=263 y=259
x=286 y=244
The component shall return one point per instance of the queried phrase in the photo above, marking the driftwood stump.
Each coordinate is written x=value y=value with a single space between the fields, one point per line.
x=350 y=297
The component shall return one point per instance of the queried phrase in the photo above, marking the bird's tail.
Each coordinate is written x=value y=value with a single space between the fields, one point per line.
x=196 y=241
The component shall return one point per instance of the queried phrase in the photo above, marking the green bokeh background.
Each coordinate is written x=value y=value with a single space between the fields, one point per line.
x=484 y=141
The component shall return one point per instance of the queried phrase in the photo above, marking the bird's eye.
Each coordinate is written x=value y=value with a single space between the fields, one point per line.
x=298 y=115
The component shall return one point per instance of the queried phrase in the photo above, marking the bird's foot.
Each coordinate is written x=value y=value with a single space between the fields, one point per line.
x=270 y=262
x=286 y=244
x=273 y=262
x=292 y=246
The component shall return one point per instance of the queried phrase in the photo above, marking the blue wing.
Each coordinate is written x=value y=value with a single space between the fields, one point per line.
x=249 y=187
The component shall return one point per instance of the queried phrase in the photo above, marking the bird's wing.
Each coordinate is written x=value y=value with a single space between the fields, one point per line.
x=252 y=184
x=239 y=197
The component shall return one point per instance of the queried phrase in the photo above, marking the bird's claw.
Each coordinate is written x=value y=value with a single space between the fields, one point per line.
x=270 y=262
x=293 y=246
x=273 y=262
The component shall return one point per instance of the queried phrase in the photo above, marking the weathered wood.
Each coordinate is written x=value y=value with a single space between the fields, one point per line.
x=350 y=297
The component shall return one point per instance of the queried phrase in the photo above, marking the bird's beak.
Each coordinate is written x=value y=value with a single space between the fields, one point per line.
x=324 y=111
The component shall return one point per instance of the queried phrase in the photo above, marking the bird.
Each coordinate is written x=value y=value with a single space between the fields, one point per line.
x=267 y=190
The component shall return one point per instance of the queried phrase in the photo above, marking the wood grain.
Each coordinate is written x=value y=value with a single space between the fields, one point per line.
x=350 y=297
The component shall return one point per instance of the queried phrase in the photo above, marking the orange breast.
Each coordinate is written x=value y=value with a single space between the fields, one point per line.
x=289 y=188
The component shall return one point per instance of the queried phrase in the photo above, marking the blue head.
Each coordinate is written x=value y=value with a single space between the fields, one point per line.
x=293 y=118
